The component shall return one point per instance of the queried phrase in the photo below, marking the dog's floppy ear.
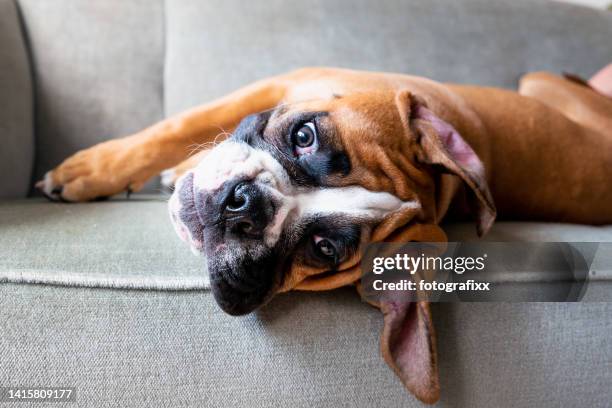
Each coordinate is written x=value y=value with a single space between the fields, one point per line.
x=408 y=345
x=442 y=145
x=408 y=340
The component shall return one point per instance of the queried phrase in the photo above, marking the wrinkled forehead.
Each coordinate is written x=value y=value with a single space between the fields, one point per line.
x=366 y=130
x=364 y=113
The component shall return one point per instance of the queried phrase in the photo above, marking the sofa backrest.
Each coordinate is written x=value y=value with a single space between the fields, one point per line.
x=98 y=71
x=107 y=68
x=214 y=46
x=16 y=106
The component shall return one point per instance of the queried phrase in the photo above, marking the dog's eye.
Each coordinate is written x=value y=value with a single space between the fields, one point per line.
x=325 y=248
x=305 y=139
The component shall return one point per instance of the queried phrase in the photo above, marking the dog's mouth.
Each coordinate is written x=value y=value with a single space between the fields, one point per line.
x=244 y=284
x=233 y=212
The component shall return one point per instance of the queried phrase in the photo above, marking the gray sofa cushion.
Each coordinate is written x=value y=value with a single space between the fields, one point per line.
x=215 y=46
x=131 y=244
x=144 y=349
x=176 y=348
x=16 y=106
x=98 y=69
x=128 y=244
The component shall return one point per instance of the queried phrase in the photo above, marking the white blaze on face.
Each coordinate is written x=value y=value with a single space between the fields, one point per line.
x=352 y=202
x=231 y=160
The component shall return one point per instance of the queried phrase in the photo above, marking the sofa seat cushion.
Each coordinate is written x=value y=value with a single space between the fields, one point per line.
x=131 y=244
x=120 y=243
x=144 y=348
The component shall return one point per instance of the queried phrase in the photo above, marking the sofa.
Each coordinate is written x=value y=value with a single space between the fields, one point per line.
x=103 y=297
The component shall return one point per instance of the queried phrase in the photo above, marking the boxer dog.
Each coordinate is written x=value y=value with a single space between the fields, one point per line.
x=321 y=162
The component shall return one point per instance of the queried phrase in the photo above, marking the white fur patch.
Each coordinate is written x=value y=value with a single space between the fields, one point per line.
x=231 y=160
x=354 y=202
x=167 y=177
x=174 y=208
x=46 y=185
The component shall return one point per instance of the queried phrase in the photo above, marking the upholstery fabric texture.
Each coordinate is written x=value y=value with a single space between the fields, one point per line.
x=176 y=349
x=121 y=243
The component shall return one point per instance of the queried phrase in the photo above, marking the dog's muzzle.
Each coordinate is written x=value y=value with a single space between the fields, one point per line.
x=226 y=209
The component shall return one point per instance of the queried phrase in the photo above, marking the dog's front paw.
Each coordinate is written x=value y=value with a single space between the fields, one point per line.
x=100 y=171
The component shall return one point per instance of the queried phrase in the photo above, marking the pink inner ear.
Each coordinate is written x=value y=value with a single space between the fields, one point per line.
x=411 y=350
x=408 y=340
x=459 y=150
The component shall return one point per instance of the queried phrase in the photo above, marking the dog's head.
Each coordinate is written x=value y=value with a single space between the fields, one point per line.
x=289 y=200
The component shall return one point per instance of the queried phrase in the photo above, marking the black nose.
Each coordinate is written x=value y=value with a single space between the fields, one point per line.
x=247 y=210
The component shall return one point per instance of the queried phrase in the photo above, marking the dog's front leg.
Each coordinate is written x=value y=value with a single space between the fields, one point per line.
x=127 y=163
